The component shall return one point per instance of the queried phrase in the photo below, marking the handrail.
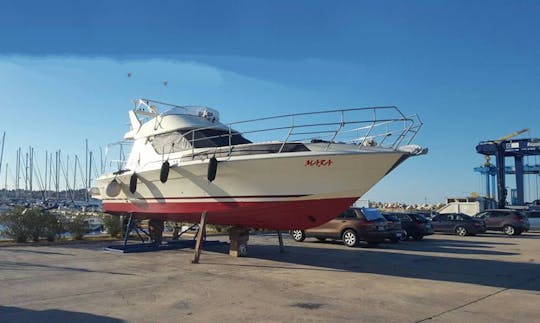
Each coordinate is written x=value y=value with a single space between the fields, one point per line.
x=365 y=127
x=410 y=127
x=121 y=151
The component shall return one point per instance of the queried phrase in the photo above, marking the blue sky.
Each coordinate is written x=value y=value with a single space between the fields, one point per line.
x=469 y=68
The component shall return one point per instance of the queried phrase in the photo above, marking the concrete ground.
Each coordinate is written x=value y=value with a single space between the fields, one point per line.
x=488 y=278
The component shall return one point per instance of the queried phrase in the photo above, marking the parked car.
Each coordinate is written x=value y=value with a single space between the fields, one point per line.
x=535 y=202
x=427 y=214
x=413 y=225
x=534 y=219
x=352 y=226
x=458 y=223
x=395 y=224
x=511 y=222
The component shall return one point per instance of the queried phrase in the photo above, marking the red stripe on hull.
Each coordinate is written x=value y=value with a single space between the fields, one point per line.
x=277 y=215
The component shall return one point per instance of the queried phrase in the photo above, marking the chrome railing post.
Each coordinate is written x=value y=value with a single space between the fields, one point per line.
x=341 y=125
x=230 y=141
x=403 y=134
x=192 y=144
x=291 y=129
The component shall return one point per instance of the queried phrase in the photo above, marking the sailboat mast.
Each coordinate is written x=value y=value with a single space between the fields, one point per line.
x=25 y=172
x=102 y=164
x=86 y=166
x=57 y=176
x=31 y=170
x=75 y=174
x=46 y=174
x=50 y=172
x=5 y=181
x=89 y=178
x=2 y=151
x=17 y=171
x=67 y=177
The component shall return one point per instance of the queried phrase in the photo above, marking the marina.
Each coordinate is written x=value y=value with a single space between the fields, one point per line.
x=270 y=161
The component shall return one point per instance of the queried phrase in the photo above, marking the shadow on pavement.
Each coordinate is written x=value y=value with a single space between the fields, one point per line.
x=17 y=265
x=22 y=315
x=386 y=261
x=469 y=247
x=526 y=235
x=40 y=252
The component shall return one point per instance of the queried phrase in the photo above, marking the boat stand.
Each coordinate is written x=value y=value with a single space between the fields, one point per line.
x=201 y=234
x=177 y=233
x=134 y=226
x=239 y=237
x=280 y=238
x=154 y=236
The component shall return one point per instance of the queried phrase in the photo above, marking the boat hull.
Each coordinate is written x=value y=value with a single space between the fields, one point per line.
x=289 y=191
x=278 y=215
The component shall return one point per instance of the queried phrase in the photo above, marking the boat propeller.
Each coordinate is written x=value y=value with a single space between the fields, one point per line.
x=133 y=183
x=212 y=168
x=164 y=174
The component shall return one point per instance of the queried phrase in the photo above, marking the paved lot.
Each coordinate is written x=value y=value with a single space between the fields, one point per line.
x=490 y=278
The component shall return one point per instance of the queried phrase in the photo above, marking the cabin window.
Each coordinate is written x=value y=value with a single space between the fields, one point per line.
x=214 y=138
x=181 y=140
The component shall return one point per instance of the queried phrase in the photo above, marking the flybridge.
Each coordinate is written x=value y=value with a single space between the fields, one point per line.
x=152 y=108
x=151 y=117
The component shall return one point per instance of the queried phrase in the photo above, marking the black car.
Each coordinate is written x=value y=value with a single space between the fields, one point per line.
x=534 y=219
x=458 y=223
x=413 y=225
x=427 y=214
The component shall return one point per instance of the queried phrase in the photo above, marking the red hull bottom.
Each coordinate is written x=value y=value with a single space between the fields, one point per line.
x=277 y=215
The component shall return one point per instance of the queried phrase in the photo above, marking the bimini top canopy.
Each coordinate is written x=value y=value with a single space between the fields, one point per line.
x=147 y=119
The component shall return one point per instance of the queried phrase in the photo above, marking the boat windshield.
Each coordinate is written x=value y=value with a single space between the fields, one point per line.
x=177 y=141
x=213 y=138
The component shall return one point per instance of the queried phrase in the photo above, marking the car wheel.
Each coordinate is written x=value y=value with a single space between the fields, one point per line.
x=404 y=235
x=350 y=238
x=461 y=231
x=298 y=235
x=321 y=239
x=509 y=230
x=418 y=237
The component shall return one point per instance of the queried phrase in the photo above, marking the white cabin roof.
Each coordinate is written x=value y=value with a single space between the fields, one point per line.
x=146 y=120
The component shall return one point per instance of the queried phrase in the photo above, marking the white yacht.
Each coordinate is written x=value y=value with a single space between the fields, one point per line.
x=303 y=170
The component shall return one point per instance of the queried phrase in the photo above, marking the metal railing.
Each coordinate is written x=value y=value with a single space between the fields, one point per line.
x=331 y=127
x=116 y=155
x=385 y=127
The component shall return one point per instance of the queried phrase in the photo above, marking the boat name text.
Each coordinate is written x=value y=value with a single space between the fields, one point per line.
x=318 y=162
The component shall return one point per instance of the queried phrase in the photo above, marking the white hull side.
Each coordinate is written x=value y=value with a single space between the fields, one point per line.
x=283 y=176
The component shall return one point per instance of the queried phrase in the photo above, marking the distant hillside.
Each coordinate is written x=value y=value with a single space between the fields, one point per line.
x=76 y=195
